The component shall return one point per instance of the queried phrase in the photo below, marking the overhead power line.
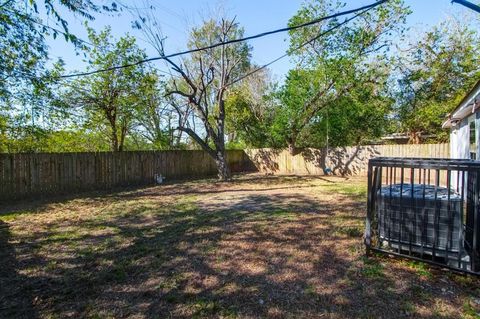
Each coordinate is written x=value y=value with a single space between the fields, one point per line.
x=163 y=57
x=468 y=5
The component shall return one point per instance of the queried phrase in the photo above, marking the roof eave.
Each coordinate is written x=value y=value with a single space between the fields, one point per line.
x=463 y=109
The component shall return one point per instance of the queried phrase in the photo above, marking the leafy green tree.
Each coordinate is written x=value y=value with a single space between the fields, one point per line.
x=349 y=58
x=155 y=118
x=25 y=81
x=250 y=110
x=434 y=75
x=354 y=117
x=23 y=51
x=110 y=100
x=33 y=139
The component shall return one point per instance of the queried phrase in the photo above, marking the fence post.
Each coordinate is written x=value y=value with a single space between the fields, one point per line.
x=368 y=223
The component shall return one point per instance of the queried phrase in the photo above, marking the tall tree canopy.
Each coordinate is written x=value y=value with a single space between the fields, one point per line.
x=434 y=74
x=25 y=78
x=349 y=58
x=23 y=50
x=110 y=100
x=250 y=108
x=155 y=120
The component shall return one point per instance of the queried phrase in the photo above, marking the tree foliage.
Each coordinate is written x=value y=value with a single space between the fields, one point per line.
x=434 y=75
x=350 y=58
x=110 y=100
x=350 y=86
x=155 y=118
x=22 y=40
x=25 y=80
x=250 y=108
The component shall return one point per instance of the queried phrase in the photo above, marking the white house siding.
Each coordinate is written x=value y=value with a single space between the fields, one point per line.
x=477 y=134
x=460 y=140
x=460 y=143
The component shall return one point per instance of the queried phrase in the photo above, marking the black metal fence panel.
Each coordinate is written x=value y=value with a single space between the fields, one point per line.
x=425 y=209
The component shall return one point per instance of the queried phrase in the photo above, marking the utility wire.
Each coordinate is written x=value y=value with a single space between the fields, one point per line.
x=467 y=4
x=163 y=57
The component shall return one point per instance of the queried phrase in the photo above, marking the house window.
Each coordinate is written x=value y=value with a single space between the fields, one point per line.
x=473 y=144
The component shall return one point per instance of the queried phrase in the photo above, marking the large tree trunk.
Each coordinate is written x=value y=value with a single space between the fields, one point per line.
x=123 y=134
x=221 y=159
x=224 y=173
x=414 y=137
x=218 y=154
x=292 y=141
x=112 y=119
x=292 y=149
x=114 y=141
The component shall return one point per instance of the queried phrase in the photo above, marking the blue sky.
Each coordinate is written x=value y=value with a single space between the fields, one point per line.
x=177 y=17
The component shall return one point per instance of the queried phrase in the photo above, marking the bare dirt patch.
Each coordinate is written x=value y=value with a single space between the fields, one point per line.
x=256 y=247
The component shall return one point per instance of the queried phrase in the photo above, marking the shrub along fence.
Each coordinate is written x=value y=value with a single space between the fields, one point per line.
x=34 y=175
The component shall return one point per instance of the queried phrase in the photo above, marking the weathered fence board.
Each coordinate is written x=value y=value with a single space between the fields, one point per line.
x=30 y=175
x=352 y=160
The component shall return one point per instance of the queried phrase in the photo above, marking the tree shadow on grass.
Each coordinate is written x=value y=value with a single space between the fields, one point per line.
x=252 y=256
x=16 y=299
x=241 y=182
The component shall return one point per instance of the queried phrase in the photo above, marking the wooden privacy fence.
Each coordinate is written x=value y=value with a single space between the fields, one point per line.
x=25 y=175
x=32 y=175
x=351 y=160
x=417 y=150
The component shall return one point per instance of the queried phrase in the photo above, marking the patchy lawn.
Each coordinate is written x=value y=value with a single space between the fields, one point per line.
x=276 y=247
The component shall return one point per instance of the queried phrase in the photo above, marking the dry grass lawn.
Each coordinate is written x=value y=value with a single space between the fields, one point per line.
x=256 y=247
